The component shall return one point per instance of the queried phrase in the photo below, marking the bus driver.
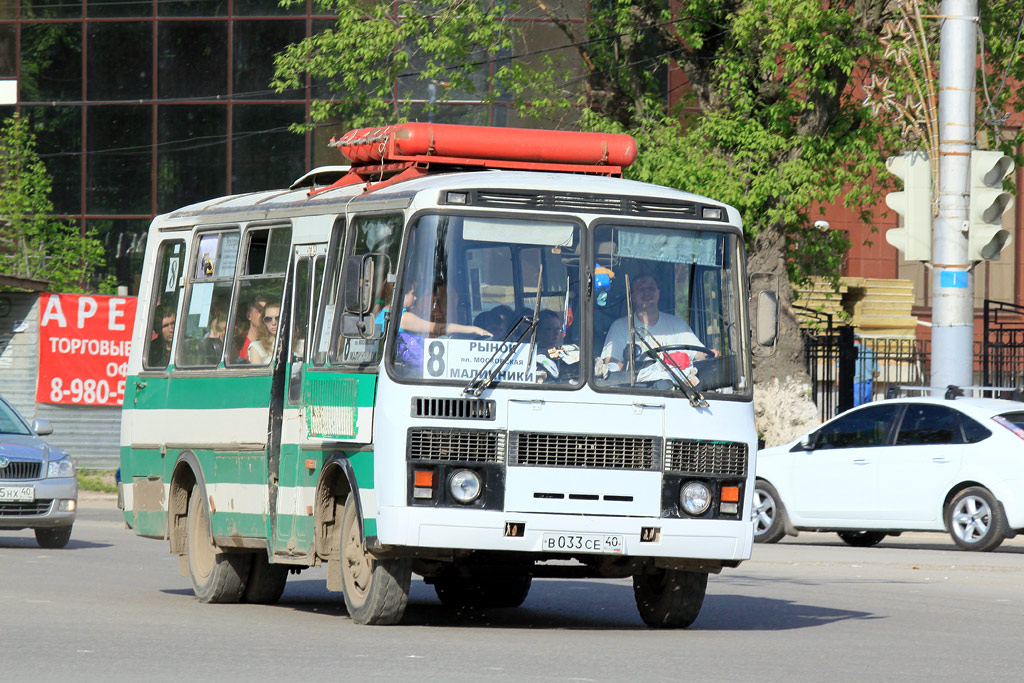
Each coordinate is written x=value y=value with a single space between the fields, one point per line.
x=656 y=327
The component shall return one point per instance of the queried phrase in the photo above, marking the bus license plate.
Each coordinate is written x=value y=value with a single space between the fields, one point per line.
x=582 y=543
x=20 y=494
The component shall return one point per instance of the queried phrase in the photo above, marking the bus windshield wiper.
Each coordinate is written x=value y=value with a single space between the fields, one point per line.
x=478 y=383
x=675 y=373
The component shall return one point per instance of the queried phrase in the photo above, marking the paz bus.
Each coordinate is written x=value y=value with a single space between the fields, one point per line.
x=433 y=361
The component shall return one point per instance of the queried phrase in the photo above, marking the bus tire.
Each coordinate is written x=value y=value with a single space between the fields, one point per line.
x=266 y=581
x=669 y=598
x=497 y=592
x=376 y=591
x=216 y=576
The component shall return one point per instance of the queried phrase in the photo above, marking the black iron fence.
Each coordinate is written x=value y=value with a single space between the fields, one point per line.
x=1002 y=362
x=831 y=357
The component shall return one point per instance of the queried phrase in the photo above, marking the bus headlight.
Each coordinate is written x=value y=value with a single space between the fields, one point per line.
x=695 y=498
x=465 y=486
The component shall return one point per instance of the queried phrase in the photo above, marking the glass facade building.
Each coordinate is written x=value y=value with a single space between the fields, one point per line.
x=143 y=106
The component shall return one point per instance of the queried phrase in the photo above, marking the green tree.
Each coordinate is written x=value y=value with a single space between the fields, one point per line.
x=34 y=244
x=771 y=119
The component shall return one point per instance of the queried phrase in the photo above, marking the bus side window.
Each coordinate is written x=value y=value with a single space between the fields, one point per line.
x=381 y=237
x=328 y=301
x=164 y=310
x=258 y=295
x=300 y=324
x=209 y=295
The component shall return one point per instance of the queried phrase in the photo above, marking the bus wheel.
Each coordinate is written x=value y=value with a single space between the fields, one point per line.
x=266 y=581
x=376 y=591
x=485 y=593
x=216 y=576
x=669 y=598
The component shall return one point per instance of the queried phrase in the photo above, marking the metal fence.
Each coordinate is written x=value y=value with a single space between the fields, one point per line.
x=1002 y=361
x=998 y=357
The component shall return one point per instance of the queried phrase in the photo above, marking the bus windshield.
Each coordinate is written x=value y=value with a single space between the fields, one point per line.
x=489 y=296
x=667 y=309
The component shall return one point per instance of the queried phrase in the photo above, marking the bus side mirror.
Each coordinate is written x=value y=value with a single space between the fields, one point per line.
x=764 y=313
x=359 y=271
x=767 y=321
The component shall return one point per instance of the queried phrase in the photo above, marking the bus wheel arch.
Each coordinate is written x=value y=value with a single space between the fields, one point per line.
x=337 y=481
x=186 y=476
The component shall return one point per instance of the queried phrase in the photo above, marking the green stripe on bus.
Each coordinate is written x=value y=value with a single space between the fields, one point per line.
x=217 y=467
x=227 y=391
x=150 y=523
x=240 y=524
x=301 y=475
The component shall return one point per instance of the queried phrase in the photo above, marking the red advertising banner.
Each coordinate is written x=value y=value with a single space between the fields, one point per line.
x=84 y=342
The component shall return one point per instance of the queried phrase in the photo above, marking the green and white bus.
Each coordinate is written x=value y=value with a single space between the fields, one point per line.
x=477 y=354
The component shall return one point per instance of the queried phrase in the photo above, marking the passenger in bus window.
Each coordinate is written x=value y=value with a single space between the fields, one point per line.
x=261 y=349
x=255 y=329
x=427 y=319
x=160 y=346
x=212 y=343
x=651 y=324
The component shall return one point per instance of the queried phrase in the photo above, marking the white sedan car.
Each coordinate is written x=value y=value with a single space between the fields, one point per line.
x=907 y=464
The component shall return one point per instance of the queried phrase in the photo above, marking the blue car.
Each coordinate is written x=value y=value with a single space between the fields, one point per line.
x=38 y=486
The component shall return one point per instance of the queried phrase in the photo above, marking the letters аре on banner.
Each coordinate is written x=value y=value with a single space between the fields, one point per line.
x=84 y=341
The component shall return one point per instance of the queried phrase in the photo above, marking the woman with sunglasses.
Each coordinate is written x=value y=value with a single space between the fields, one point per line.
x=261 y=349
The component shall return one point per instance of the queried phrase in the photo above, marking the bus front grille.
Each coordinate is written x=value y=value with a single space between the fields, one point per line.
x=453 y=408
x=706 y=457
x=461 y=445
x=21 y=469
x=585 y=450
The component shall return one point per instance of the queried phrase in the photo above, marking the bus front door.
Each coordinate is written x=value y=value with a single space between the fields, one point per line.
x=291 y=507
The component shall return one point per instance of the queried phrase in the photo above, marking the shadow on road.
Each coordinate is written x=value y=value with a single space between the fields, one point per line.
x=745 y=613
x=31 y=544
x=576 y=605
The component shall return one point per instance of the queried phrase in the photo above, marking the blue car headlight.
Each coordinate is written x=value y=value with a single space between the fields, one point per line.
x=61 y=468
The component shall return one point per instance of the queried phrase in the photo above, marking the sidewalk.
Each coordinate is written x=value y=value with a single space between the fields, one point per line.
x=97 y=499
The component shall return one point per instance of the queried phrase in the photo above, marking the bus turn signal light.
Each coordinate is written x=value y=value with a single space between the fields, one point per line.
x=730 y=494
x=423 y=484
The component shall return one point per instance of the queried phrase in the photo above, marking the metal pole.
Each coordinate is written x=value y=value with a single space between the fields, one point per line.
x=952 y=279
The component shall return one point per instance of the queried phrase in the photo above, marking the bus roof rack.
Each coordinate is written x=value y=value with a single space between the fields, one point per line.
x=953 y=391
x=392 y=154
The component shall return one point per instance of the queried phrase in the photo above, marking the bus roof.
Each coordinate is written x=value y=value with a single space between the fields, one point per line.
x=580 y=188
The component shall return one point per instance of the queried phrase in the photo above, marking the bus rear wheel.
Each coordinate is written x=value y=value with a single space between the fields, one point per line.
x=266 y=581
x=669 y=598
x=216 y=576
x=376 y=591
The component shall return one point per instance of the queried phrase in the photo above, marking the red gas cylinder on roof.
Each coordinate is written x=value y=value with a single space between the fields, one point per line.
x=454 y=142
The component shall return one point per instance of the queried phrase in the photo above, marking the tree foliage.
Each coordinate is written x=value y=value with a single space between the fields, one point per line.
x=33 y=244
x=770 y=118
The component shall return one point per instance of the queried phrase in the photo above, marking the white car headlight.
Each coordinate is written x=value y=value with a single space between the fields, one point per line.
x=465 y=485
x=695 y=498
x=61 y=468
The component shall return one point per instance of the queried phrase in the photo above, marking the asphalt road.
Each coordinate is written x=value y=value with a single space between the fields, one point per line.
x=112 y=607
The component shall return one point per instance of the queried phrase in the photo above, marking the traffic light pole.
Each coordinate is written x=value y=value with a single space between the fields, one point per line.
x=952 y=358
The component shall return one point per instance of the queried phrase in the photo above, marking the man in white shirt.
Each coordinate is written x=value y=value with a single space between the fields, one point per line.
x=656 y=327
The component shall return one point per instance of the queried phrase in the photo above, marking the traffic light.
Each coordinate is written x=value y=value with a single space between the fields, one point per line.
x=914 y=203
x=985 y=234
